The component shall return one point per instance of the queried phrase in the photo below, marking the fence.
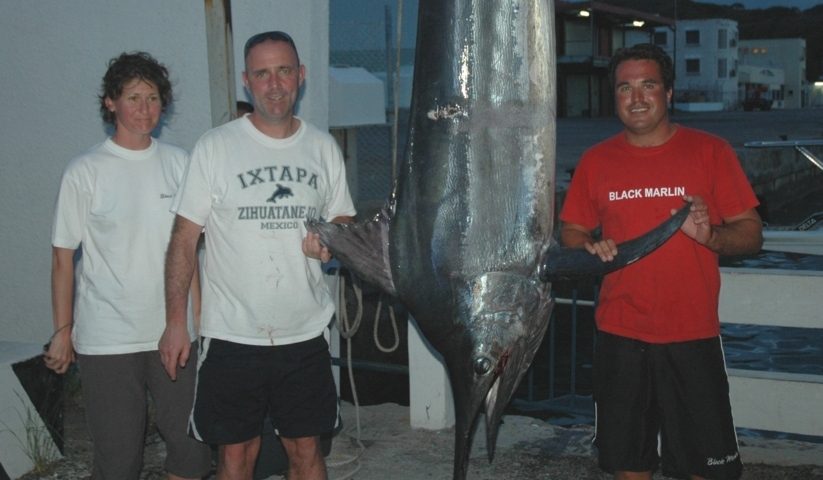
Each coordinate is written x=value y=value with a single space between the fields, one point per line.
x=774 y=359
x=558 y=384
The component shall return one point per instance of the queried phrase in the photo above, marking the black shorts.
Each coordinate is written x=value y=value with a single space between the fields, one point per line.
x=664 y=405
x=238 y=385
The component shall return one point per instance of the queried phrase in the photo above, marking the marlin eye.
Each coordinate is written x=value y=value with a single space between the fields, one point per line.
x=482 y=365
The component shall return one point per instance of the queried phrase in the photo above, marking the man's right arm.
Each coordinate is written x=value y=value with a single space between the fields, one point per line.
x=181 y=261
x=578 y=236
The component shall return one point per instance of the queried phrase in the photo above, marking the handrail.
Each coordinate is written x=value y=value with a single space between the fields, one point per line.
x=799 y=145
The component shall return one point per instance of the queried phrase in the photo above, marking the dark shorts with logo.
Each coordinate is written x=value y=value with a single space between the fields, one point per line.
x=239 y=385
x=664 y=406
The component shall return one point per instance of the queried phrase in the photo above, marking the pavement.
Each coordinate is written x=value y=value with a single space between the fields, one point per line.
x=527 y=448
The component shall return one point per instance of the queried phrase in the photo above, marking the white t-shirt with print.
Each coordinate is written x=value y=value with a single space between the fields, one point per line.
x=252 y=193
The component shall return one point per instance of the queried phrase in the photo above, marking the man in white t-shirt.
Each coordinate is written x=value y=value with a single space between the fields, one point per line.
x=249 y=186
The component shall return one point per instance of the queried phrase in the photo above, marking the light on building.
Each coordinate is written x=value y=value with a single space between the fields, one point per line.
x=583 y=13
x=638 y=23
x=818 y=84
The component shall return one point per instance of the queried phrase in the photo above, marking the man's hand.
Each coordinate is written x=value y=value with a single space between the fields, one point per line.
x=697 y=224
x=741 y=234
x=577 y=236
x=175 y=348
x=313 y=248
x=605 y=249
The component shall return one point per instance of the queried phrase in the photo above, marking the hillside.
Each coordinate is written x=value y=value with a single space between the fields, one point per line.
x=774 y=22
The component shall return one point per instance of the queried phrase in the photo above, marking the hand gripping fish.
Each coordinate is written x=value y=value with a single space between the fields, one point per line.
x=463 y=241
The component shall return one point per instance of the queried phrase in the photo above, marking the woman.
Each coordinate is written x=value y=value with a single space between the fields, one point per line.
x=114 y=204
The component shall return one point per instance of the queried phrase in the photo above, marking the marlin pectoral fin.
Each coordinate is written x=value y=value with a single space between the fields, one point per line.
x=570 y=263
x=362 y=247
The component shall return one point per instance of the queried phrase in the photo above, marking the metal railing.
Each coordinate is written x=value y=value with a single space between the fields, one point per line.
x=558 y=383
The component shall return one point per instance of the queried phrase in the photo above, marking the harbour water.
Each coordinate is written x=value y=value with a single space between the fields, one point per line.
x=770 y=348
x=773 y=349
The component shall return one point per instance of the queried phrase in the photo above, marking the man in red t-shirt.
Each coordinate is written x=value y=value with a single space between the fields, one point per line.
x=661 y=391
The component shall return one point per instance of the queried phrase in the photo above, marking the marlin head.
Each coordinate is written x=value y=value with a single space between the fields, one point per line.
x=501 y=319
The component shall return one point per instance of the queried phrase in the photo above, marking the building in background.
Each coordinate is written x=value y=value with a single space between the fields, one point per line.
x=784 y=55
x=588 y=33
x=714 y=70
x=706 y=63
x=817 y=94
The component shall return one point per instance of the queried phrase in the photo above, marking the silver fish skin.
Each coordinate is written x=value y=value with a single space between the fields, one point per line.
x=461 y=240
x=464 y=240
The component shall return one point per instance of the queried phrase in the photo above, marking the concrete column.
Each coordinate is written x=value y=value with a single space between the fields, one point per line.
x=333 y=333
x=431 y=404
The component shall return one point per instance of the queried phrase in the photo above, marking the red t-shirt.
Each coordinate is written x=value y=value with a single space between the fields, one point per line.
x=671 y=295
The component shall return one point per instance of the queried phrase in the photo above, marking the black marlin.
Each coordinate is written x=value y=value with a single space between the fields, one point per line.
x=464 y=241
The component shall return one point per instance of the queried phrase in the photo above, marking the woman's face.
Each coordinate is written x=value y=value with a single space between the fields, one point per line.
x=137 y=110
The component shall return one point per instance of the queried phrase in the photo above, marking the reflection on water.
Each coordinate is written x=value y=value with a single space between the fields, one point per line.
x=774 y=349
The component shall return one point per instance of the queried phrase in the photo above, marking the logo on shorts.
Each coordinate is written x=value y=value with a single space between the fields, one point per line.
x=722 y=461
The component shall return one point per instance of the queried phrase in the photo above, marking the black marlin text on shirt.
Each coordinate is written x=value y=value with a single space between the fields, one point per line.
x=647 y=192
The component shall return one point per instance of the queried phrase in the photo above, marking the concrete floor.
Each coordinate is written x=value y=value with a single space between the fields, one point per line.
x=527 y=448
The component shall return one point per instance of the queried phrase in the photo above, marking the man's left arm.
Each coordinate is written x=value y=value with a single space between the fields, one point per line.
x=738 y=235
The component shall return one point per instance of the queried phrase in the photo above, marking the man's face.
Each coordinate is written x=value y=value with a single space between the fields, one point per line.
x=273 y=77
x=137 y=110
x=642 y=101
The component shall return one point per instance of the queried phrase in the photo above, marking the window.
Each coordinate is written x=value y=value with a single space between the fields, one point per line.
x=721 y=68
x=722 y=38
x=692 y=37
x=661 y=38
x=692 y=66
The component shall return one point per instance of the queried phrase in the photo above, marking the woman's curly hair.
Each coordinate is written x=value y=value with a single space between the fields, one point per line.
x=125 y=68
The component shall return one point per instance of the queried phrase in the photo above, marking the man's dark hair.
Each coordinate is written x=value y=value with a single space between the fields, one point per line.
x=274 y=36
x=644 y=51
x=127 y=67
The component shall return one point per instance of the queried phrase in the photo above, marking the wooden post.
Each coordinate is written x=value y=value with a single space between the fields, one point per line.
x=220 y=51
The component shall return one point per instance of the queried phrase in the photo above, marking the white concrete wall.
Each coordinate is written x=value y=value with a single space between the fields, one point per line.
x=308 y=24
x=54 y=54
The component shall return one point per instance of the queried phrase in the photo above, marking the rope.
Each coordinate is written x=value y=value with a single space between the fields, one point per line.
x=393 y=324
x=347 y=331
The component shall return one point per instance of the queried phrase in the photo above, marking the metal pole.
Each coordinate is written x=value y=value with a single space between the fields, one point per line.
x=674 y=51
